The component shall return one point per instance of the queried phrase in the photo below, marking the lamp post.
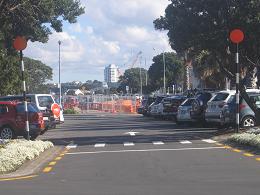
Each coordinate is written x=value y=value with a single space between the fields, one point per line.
x=164 y=82
x=164 y=85
x=59 y=42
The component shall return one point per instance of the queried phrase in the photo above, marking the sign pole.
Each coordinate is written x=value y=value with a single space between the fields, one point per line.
x=237 y=90
x=24 y=97
x=236 y=37
x=20 y=43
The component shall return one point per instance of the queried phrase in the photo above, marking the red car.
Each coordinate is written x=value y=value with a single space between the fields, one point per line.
x=12 y=120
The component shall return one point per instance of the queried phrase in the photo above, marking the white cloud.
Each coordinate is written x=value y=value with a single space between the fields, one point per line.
x=111 y=31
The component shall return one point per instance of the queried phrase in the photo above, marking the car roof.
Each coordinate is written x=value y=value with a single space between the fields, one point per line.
x=175 y=97
x=8 y=102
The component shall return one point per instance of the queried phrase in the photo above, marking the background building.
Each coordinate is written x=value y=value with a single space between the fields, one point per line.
x=111 y=74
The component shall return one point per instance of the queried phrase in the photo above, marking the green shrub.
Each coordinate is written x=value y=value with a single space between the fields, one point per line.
x=70 y=111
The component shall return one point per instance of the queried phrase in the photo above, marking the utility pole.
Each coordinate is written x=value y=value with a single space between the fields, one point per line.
x=146 y=76
x=59 y=42
x=164 y=85
x=141 y=82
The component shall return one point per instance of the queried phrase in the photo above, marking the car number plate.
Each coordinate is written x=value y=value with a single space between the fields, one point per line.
x=45 y=118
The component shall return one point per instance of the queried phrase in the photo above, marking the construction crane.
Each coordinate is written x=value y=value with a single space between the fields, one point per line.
x=135 y=59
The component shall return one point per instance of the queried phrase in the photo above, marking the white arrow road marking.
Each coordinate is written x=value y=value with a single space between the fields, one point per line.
x=71 y=146
x=99 y=145
x=185 y=142
x=129 y=144
x=210 y=141
x=158 y=143
x=132 y=133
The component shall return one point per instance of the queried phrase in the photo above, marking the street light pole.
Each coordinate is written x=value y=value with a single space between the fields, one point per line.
x=59 y=42
x=164 y=85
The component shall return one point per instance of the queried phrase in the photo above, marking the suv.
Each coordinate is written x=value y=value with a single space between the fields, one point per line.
x=171 y=104
x=199 y=105
x=246 y=115
x=224 y=102
x=12 y=120
x=43 y=103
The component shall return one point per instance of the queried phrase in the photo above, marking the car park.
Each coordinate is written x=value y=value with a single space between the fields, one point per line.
x=183 y=115
x=171 y=104
x=12 y=120
x=43 y=103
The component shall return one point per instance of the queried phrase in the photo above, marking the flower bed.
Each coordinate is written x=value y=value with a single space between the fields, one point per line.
x=14 y=153
x=249 y=139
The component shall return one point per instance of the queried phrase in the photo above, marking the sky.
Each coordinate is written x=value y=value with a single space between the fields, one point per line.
x=110 y=32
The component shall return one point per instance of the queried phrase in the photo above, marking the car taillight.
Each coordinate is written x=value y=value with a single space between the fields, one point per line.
x=221 y=105
x=242 y=106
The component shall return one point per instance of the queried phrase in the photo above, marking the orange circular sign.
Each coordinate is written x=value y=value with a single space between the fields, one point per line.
x=55 y=108
x=236 y=36
x=20 y=43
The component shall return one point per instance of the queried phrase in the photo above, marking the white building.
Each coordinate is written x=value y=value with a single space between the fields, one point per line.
x=111 y=74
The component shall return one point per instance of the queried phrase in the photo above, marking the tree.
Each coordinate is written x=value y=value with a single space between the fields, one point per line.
x=37 y=74
x=174 y=71
x=197 y=26
x=33 y=19
x=131 y=78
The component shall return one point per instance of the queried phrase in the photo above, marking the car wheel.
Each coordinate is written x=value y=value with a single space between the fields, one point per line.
x=248 y=121
x=6 y=132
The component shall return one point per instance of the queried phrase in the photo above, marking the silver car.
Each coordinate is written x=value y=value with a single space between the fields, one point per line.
x=183 y=114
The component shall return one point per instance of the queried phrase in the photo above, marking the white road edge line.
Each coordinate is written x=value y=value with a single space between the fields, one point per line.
x=101 y=145
x=158 y=143
x=148 y=150
x=129 y=144
x=210 y=141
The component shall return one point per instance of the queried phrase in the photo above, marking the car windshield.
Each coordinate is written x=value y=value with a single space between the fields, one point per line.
x=45 y=101
x=220 y=97
x=187 y=102
x=31 y=108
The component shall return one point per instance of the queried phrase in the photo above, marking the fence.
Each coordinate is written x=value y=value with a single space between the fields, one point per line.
x=105 y=103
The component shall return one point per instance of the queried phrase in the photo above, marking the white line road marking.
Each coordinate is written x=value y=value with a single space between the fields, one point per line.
x=100 y=145
x=148 y=150
x=210 y=141
x=158 y=143
x=129 y=144
x=185 y=142
x=71 y=146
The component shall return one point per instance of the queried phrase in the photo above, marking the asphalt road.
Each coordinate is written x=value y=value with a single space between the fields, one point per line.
x=129 y=154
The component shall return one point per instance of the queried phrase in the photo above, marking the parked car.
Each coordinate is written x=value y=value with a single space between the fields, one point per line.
x=183 y=115
x=12 y=120
x=143 y=109
x=171 y=104
x=152 y=109
x=199 y=105
x=43 y=102
x=246 y=114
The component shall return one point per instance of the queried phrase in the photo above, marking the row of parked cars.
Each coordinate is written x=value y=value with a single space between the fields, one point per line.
x=40 y=115
x=204 y=107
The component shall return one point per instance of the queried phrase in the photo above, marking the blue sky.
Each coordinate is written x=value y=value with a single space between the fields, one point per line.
x=110 y=31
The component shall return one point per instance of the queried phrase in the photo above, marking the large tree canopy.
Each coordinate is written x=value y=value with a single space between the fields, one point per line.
x=33 y=18
x=197 y=26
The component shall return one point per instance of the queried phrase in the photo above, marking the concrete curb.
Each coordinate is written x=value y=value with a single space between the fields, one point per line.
x=35 y=166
